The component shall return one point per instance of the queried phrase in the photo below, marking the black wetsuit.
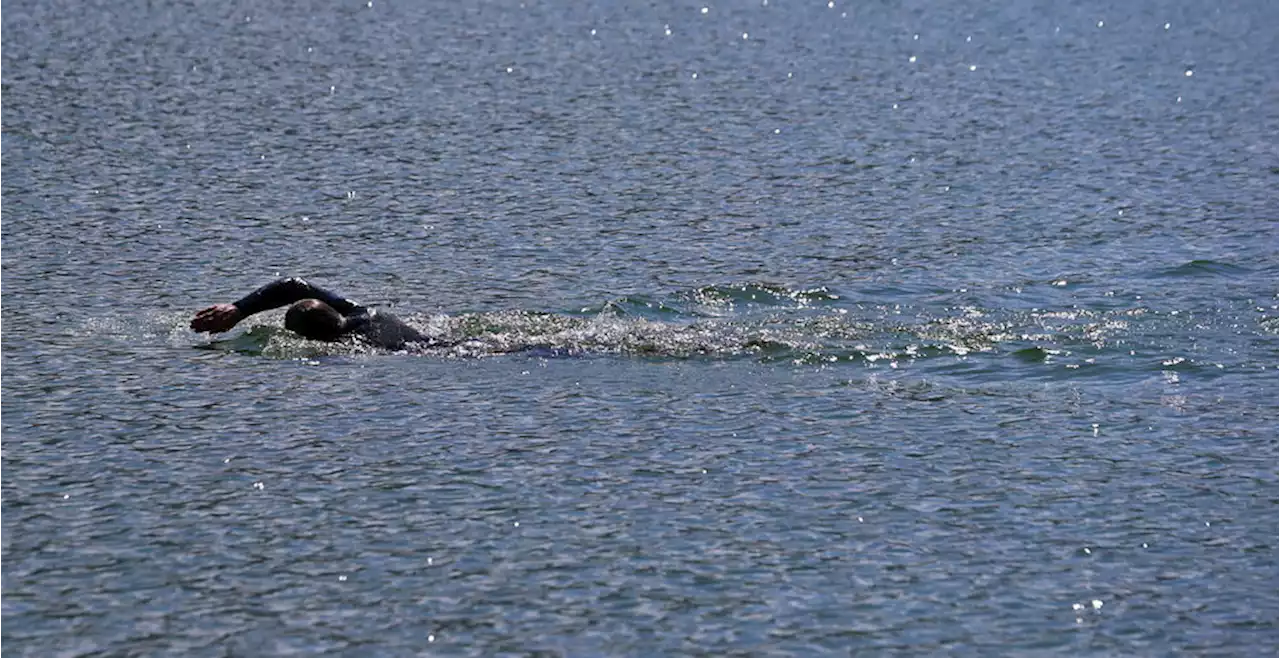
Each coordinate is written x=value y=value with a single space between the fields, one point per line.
x=376 y=327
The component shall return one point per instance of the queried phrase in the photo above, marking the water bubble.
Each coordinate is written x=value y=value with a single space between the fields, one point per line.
x=1097 y=605
x=968 y=39
x=1087 y=551
x=343 y=579
x=1077 y=606
x=694 y=76
x=973 y=67
x=744 y=36
x=593 y=31
x=1101 y=23
x=667 y=29
x=912 y=59
x=831 y=4
x=915 y=37
x=509 y=69
x=516 y=524
x=777 y=131
x=1189 y=73
x=431 y=638
x=259 y=486
x=332 y=89
x=706 y=9
x=1166 y=26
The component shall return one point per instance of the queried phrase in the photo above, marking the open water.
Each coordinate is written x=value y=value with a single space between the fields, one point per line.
x=785 y=328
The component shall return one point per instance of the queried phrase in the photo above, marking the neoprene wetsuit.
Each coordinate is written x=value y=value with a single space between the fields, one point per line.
x=376 y=327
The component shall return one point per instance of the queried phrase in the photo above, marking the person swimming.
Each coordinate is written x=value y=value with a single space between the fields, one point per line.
x=316 y=313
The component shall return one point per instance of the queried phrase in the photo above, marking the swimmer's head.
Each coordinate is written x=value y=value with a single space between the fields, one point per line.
x=314 y=319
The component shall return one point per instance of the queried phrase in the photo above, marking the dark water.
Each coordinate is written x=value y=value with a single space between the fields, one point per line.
x=771 y=338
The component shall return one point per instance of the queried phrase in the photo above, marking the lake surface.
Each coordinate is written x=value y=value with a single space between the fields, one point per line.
x=785 y=328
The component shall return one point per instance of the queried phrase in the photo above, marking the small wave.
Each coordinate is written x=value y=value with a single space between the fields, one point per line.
x=735 y=297
x=1204 y=268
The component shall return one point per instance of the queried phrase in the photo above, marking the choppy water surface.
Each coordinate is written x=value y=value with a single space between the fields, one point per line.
x=775 y=328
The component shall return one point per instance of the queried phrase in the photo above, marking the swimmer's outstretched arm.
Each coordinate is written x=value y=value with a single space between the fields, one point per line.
x=281 y=292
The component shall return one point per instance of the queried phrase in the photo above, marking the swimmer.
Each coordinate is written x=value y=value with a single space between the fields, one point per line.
x=316 y=313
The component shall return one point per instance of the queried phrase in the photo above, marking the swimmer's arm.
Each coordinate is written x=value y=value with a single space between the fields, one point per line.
x=281 y=292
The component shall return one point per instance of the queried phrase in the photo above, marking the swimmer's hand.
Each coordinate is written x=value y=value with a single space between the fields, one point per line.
x=216 y=318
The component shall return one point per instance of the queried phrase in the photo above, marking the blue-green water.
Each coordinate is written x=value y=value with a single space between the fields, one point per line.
x=782 y=329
